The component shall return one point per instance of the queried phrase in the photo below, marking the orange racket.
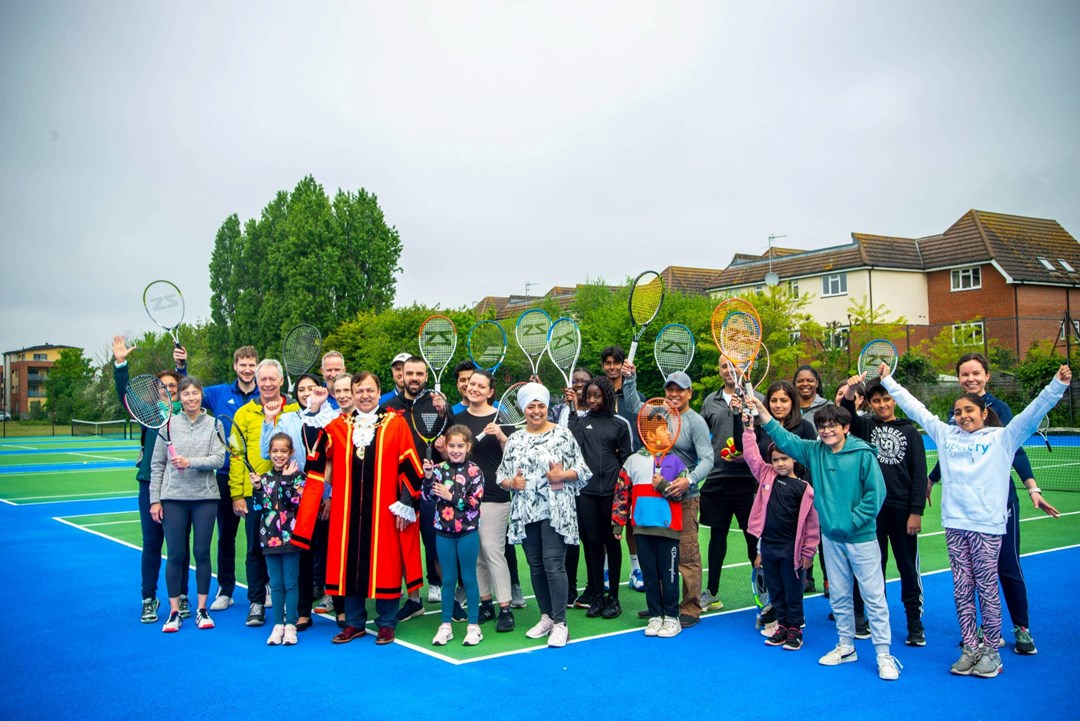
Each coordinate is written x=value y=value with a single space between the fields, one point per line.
x=659 y=424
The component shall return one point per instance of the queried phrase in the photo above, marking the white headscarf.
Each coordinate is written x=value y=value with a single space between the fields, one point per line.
x=532 y=392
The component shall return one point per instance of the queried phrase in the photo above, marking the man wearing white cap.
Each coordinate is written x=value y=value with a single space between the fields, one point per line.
x=397 y=370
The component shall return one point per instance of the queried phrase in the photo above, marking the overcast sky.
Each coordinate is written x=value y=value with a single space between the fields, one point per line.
x=524 y=141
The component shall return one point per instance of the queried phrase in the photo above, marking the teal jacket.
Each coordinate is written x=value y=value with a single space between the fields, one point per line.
x=848 y=486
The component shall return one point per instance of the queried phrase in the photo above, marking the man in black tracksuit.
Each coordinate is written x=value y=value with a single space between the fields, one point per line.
x=902 y=457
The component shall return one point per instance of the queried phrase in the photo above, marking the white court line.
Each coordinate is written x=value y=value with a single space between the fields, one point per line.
x=36 y=474
x=110 y=523
x=79 y=499
x=91 y=455
x=5 y=446
x=1022 y=520
x=107 y=513
x=72 y=495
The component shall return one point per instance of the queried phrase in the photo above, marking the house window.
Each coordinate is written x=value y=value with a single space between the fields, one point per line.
x=759 y=289
x=1047 y=264
x=967 y=333
x=966 y=278
x=837 y=338
x=795 y=336
x=40 y=356
x=793 y=288
x=1066 y=266
x=835 y=284
x=1076 y=329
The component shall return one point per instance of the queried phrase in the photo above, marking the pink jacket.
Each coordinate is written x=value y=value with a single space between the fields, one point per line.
x=808 y=533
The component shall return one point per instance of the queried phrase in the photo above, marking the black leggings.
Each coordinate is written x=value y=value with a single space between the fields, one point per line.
x=178 y=520
x=726 y=507
x=594 y=522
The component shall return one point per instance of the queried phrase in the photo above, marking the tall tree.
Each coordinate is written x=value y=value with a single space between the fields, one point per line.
x=306 y=259
x=68 y=387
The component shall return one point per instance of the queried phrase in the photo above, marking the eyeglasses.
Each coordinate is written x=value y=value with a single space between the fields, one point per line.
x=830 y=426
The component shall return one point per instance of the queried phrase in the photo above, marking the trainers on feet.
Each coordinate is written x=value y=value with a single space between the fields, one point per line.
x=460 y=597
x=794 y=640
x=988 y=666
x=203 y=620
x=654 y=626
x=916 y=636
x=542 y=628
x=596 y=607
x=172 y=625
x=778 y=638
x=434 y=594
x=966 y=663
x=185 y=606
x=256 y=615
x=585 y=600
x=221 y=602
x=888 y=668
x=149 y=609
x=277 y=635
x=769 y=629
x=840 y=654
x=808 y=586
x=410 y=609
x=289 y=638
x=458 y=613
x=1025 y=644
x=710 y=601
x=517 y=598
x=670 y=628
x=612 y=608
x=325 y=604
x=473 y=635
x=559 y=635
x=444 y=635
x=862 y=628
x=688 y=621
x=487 y=611
x=636 y=583
x=505 y=624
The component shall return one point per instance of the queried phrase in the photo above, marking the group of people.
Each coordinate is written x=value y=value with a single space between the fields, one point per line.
x=341 y=496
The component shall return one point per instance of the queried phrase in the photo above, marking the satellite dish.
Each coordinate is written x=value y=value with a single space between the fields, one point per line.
x=771 y=279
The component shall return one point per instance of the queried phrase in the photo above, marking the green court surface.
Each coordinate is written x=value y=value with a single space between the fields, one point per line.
x=35 y=487
x=1038 y=532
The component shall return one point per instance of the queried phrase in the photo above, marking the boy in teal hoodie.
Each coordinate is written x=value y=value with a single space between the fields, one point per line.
x=848 y=493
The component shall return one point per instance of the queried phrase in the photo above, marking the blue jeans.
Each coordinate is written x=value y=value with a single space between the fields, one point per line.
x=465 y=549
x=862 y=561
x=284 y=572
x=385 y=611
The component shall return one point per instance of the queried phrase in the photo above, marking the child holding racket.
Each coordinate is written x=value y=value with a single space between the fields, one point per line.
x=976 y=457
x=276 y=496
x=657 y=522
x=786 y=525
x=456 y=487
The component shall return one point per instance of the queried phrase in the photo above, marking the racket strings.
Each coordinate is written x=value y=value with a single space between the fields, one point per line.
x=164 y=303
x=301 y=349
x=645 y=299
x=873 y=355
x=659 y=424
x=740 y=337
x=438 y=340
x=565 y=344
x=674 y=349
x=532 y=331
x=148 y=401
x=487 y=344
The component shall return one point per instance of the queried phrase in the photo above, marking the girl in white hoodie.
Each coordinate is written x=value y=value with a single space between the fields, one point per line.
x=976 y=460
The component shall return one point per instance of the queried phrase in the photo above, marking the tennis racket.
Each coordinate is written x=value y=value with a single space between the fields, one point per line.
x=430 y=415
x=674 y=348
x=238 y=445
x=438 y=341
x=300 y=350
x=487 y=345
x=165 y=306
x=739 y=338
x=646 y=297
x=509 y=413
x=760 y=590
x=150 y=404
x=1044 y=426
x=873 y=355
x=531 y=333
x=564 y=347
x=659 y=424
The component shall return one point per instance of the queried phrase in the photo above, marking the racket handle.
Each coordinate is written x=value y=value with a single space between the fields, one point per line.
x=480 y=436
x=171 y=448
x=438 y=387
x=750 y=394
x=633 y=351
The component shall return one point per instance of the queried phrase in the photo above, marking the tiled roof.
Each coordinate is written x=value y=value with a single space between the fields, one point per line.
x=1017 y=243
x=46 y=346
x=691 y=281
x=883 y=251
x=795 y=265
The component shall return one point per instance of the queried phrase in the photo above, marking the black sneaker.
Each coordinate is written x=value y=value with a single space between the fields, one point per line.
x=916 y=635
x=185 y=607
x=149 y=610
x=256 y=615
x=862 y=627
x=459 y=614
x=585 y=600
x=410 y=609
x=644 y=614
x=612 y=609
x=596 y=607
x=794 y=640
x=487 y=612
x=778 y=638
x=505 y=624
x=1025 y=644
x=809 y=587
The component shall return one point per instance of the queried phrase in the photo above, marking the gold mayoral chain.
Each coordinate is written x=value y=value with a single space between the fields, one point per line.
x=364 y=427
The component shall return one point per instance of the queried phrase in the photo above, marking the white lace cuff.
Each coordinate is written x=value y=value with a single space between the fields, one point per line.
x=400 y=510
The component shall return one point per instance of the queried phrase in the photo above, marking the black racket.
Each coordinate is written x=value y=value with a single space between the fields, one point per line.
x=430 y=416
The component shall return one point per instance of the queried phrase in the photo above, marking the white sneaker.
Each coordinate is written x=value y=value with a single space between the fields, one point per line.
x=769 y=629
x=434 y=594
x=289 y=637
x=221 y=602
x=840 y=654
x=670 y=629
x=277 y=635
x=173 y=624
x=888 y=668
x=324 y=605
x=541 y=629
x=444 y=635
x=269 y=600
x=473 y=635
x=654 y=625
x=560 y=634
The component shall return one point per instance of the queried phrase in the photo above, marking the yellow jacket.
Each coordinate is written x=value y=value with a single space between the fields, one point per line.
x=247 y=426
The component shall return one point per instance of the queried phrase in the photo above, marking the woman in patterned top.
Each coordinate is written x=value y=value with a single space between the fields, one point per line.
x=543 y=466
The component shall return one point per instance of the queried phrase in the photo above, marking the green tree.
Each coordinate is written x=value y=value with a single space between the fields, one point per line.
x=306 y=259
x=67 y=389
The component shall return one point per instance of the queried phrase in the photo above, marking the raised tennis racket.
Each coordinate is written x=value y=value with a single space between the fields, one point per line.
x=740 y=340
x=659 y=424
x=674 y=348
x=165 y=305
x=430 y=416
x=531 y=333
x=509 y=412
x=238 y=445
x=564 y=347
x=487 y=345
x=760 y=590
x=873 y=355
x=150 y=404
x=300 y=350
x=1044 y=426
x=759 y=370
x=438 y=341
x=646 y=297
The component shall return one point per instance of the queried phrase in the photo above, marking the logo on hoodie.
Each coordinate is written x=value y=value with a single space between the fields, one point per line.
x=891 y=444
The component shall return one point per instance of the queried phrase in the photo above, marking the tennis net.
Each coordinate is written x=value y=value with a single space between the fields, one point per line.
x=104 y=429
